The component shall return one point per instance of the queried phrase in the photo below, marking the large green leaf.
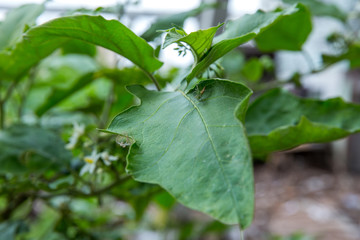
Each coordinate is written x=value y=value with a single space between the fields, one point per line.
x=279 y=120
x=14 y=24
x=193 y=146
x=42 y=40
x=31 y=149
x=320 y=8
x=259 y=25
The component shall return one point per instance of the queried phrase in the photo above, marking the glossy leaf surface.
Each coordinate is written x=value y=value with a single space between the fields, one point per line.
x=42 y=40
x=193 y=146
x=292 y=121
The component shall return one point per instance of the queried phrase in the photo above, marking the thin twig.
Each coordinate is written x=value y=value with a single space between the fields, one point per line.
x=93 y=193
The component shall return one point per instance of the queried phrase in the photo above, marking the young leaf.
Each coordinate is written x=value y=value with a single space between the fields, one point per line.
x=42 y=40
x=193 y=146
x=199 y=41
x=279 y=120
x=14 y=24
x=244 y=29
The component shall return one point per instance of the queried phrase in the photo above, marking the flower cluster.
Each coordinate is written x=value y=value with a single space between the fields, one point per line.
x=91 y=160
x=79 y=130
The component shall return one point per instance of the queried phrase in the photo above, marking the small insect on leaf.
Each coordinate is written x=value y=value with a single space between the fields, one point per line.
x=124 y=141
x=199 y=93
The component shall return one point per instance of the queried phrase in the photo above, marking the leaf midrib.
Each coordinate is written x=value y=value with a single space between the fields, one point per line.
x=234 y=199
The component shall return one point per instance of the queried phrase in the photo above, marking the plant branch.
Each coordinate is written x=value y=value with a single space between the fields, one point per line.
x=3 y=101
x=98 y=192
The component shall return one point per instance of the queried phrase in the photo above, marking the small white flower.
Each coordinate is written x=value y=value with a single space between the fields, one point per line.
x=107 y=159
x=78 y=131
x=90 y=164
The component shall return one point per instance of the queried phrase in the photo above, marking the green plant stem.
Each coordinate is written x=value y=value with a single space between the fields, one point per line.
x=25 y=92
x=107 y=106
x=94 y=193
x=308 y=60
x=3 y=103
x=153 y=79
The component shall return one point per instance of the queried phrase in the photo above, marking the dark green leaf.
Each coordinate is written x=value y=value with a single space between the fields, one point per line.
x=14 y=24
x=320 y=8
x=351 y=54
x=42 y=40
x=59 y=95
x=253 y=70
x=29 y=148
x=288 y=33
x=193 y=146
x=279 y=120
x=257 y=25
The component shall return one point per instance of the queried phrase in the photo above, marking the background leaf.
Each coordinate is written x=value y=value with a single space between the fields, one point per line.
x=31 y=149
x=14 y=24
x=193 y=146
x=287 y=33
x=279 y=120
x=42 y=40
x=320 y=8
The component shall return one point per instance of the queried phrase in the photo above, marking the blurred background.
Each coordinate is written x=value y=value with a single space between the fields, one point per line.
x=310 y=192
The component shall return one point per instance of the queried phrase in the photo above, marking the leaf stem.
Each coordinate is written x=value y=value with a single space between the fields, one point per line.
x=24 y=94
x=153 y=79
x=2 y=103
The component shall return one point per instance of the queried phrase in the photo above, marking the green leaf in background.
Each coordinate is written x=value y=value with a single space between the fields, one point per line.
x=59 y=95
x=351 y=54
x=320 y=8
x=193 y=146
x=199 y=41
x=42 y=40
x=14 y=24
x=172 y=20
x=31 y=149
x=244 y=29
x=253 y=70
x=55 y=76
x=279 y=120
x=10 y=229
x=288 y=33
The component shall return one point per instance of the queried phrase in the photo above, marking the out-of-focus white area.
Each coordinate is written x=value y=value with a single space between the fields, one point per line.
x=327 y=84
x=151 y=8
